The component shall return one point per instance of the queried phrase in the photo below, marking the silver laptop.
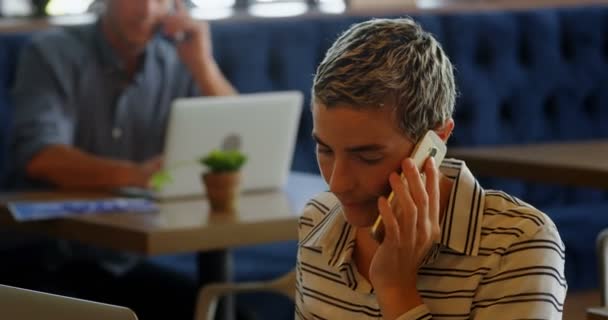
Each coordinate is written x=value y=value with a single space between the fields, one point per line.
x=263 y=126
x=22 y=304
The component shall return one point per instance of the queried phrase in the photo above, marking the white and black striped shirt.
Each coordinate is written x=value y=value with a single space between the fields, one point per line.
x=499 y=258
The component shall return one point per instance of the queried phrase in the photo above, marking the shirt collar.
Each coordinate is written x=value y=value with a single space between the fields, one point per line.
x=461 y=225
x=108 y=57
x=110 y=60
x=332 y=234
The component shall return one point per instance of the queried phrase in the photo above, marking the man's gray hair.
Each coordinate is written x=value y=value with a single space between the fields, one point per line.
x=389 y=62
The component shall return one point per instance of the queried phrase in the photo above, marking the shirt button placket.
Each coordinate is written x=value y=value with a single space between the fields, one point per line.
x=119 y=116
x=116 y=133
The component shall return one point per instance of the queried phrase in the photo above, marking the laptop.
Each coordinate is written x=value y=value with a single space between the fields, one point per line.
x=263 y=126
x=23 y=304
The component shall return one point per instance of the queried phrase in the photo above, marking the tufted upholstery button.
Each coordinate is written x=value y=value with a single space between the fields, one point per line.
x=605 y=47
x=4 y=78
x=568 y=48
x=591 y=104
x=462 y=114
x=550 y=107
x=524 y=54
x=506 y=112
x=483 y=55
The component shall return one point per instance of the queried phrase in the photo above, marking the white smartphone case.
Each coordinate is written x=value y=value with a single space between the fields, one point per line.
x=430 y=145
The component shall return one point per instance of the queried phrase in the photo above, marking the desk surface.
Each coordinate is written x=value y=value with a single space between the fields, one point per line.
x=583 y=163
x=600 y=313
x=182 y=225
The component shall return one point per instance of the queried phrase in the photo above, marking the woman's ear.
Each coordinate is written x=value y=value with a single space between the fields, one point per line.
x=445 y=130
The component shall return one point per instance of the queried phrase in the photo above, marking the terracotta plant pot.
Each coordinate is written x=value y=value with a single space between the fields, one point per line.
x=222 y=190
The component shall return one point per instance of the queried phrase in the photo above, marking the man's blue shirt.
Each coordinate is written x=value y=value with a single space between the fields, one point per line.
x=72 y=89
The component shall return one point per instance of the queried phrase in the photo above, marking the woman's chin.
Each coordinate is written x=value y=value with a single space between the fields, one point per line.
x=359 y=217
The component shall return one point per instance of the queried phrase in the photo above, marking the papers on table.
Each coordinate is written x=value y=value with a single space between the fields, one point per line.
x=37 y=210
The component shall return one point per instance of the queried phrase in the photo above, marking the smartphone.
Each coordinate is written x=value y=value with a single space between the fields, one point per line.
x=429 y=146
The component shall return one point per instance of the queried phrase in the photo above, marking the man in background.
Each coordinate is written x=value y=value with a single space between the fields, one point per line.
x=91 y=107
x=92 y=102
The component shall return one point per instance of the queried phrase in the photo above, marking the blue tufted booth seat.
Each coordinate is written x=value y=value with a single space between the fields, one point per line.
x=9 y=50
x=523 y=76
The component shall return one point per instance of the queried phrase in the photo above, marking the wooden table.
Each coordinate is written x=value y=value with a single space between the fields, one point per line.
x=597 y=313
x=183 y=226
x=580 y=163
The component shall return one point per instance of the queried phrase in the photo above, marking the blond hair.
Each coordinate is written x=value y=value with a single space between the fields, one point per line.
x=394 y=62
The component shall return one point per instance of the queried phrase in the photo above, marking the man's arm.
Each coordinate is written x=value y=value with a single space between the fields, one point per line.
x=195 y=50
x=43 y=128
x=211 y=80
x=68 y=167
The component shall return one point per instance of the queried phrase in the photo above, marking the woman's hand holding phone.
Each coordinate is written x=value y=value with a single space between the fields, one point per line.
x=411 y=228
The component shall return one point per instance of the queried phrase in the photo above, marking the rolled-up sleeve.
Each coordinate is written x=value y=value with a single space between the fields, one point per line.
x=41 y=114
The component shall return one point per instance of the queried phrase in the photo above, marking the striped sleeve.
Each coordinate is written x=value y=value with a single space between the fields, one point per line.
x=421 y=312
x=307 y=222
x=300 y=312
x=527 y=283
x=313 y=211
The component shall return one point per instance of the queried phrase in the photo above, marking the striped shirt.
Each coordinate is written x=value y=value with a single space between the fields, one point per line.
x=498 y=258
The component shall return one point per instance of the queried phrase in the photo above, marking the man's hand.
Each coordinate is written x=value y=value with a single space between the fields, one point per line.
x=411 y=226
x=70 y=168
x=193 y=42
x=139 y=175
x=192 y=38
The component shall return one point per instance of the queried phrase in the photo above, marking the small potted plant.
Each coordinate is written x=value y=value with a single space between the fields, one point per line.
x=222 y=179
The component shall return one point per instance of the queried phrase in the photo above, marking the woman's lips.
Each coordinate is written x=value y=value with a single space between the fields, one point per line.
x=355 y=204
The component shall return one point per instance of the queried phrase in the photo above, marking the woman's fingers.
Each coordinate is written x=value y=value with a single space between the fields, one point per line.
x=432 y=189
x=405 y=208
x=417 y=188
x=392 y=234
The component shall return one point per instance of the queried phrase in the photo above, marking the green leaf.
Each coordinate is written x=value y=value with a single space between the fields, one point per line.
x=222 y=161
x=160 y=179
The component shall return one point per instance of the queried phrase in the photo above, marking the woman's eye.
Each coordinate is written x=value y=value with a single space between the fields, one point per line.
x=371 y=160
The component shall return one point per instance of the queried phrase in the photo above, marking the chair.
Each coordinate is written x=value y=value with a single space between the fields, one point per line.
x=209 y=295
x=23 y=304
x=602 y=258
